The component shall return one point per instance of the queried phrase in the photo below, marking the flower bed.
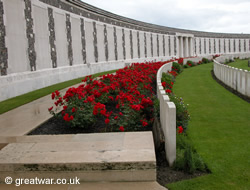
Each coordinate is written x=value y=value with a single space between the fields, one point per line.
x=120 y=102
x=112 y=103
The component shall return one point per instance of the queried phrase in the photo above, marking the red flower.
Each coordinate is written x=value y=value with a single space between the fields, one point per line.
x=146 y=101
x=180 y=129
x=66 y=117
x=120 y=113
x=73 y=110
x=65 y=107
x=137 y=107
x=98 y=106
x=111 y=98
x=105 y=89
x=103 y=112
x=57 y=93
x=97 y=94
x=121 y=128
x=144 y=123
x=116 y=117
x=108 y=114
x=168 y=91
x=107 y=121
x=53 y=96
x=50 y=108
x=164 y=84
x=180 y=60
x=90 y=99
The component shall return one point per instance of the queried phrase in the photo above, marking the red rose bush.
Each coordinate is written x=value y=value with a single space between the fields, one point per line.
x=121 y=102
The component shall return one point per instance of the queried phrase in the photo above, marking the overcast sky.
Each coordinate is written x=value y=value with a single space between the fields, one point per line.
x=227 y=16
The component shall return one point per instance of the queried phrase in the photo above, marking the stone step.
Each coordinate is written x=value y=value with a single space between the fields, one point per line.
x=119 y=156
x=91 y=186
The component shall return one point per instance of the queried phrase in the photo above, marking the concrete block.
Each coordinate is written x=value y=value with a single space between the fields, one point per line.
x=170 y=135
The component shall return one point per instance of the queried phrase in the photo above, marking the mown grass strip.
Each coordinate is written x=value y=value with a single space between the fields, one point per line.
x=241 y=64
x=15 y=102
x=219 y=129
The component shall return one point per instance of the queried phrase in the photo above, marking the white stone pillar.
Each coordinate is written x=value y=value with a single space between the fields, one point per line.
x=186 y=47
x=181 y=46
x=191 y=47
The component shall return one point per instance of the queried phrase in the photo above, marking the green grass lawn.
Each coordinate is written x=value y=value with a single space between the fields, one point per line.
x=241 y=64
x=15 y=102
x=219 y=129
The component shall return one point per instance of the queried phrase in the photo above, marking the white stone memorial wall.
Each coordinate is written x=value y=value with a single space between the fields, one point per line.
x=111 y=43
x=119 y=43
x=236 y=45
x=89 y=41
x=247 y=45
x=242 y=45
x=212 y=46
x=197 y=47
x=76 y=40
x=46 y=40
x=16 y=37
x=148 y=45
x=127 y=43
x=217 y=46
x=202 y=46
x=207 y=46
x=231 y=45
x=135 y=44
x=172 y=45
x=154 y=46
x=142 y=43
x=100 y=42
x=61 y=39
x=160 y=45
x=166 y=37
x=227 y=45
x=42 y=37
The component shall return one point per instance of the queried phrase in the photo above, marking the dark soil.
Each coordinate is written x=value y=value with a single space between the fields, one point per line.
x=165 y=174
x=55 y=126
x=247 y=99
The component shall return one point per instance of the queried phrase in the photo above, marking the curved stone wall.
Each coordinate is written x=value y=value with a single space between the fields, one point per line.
x=235 y=78
x=44 y=42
